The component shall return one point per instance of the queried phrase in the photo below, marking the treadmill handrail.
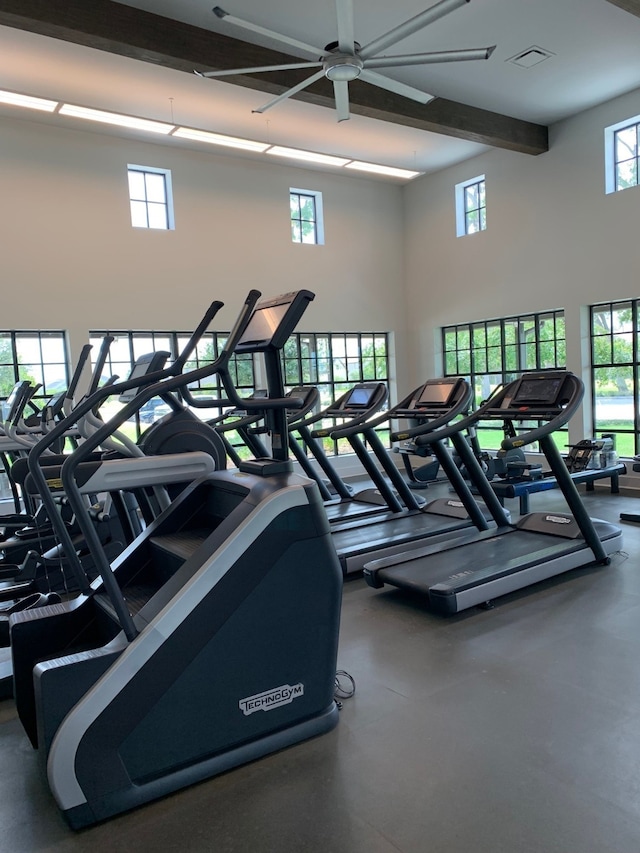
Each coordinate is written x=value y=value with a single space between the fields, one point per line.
x=460 y=405
x=352 y=416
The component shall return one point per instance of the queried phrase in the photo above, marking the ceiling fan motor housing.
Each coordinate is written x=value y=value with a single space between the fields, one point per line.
x=342 y=66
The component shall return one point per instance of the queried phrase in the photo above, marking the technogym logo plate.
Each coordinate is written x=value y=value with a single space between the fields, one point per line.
x=271 y=699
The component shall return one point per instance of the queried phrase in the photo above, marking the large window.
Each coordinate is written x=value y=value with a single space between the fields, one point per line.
x=36 y=356
x=334 y=362
x=40 y=357
x=492 y=352
x=622 y=152
x=471 y=206
x=150 y=197
x=130 y=345
x=615 y=359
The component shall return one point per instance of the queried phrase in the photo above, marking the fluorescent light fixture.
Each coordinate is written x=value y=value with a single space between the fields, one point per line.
x=115 y=118
x=136 y=123
x=27 y=101
x=382 y=170
x=219 y=139
x=309 y=156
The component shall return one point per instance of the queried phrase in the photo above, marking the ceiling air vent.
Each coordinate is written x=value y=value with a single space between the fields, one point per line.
x=533 y=55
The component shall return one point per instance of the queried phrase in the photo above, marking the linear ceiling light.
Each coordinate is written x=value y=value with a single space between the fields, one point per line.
x=309 y=156
x=27 y=101
x=382 y=170
x=115 y=118
x=219 y=139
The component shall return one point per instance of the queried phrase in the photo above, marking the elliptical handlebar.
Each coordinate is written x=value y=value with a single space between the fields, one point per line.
x=192 y=343
x=84 y=407
x=77 y=373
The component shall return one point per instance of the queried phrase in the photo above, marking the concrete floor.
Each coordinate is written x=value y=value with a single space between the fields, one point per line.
x=510 y=730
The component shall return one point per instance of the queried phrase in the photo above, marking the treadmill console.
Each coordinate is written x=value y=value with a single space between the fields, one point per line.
x=533 y=396
x=359 y=397
x=538 y=391
x=435 y=395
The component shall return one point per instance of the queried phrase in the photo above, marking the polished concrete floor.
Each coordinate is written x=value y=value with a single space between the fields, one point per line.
x=509 y=730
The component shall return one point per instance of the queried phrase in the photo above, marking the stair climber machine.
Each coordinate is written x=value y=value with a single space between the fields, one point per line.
x=212 y=640
x=476 y=568
x=408 y=519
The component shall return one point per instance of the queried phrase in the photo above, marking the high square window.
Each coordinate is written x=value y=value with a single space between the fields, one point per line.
x=306 y=216
x=150 y=198
x=471 y=206
x=621 y=155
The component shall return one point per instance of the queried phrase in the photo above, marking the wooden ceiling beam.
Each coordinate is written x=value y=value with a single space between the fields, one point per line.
x=125 y=31
x=631 y=6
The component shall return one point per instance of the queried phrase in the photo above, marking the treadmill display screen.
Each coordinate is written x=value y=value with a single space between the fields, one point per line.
x=360 y=397
x=263 y=323
x=541 y=391
x=435 y=394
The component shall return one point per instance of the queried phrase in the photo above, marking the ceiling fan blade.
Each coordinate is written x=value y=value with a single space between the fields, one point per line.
x=254 y=28
x=411 y=26
x=429 y=58
x=298 y=88
x=395 y=86
x=346 y=32
x=258 y=69
x=341 y=94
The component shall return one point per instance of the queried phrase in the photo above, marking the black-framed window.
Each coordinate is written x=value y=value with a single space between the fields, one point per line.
x=333 y=362
x=471 y=206
x=37 y=356
x=305 y=207
x=492 y=352
x=131 y=344
x=150 y=197
x=615 y=372
x=622 y=155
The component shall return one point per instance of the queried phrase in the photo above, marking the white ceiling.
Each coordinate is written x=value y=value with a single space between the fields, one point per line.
x=595 y=49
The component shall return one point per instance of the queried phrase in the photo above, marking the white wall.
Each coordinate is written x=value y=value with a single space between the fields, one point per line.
x=392 y=260
x=553 y=240
x=71 y=260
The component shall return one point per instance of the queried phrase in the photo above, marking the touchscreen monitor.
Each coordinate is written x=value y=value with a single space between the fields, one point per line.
x=435 y=394
x=360 y=397
x=540 y=390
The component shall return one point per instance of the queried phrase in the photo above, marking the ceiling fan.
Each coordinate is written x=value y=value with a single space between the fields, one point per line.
x=345 y=60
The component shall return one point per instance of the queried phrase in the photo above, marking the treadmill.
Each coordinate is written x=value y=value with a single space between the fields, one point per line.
x=357 y=405
x=484 y=565
x=408 y=519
